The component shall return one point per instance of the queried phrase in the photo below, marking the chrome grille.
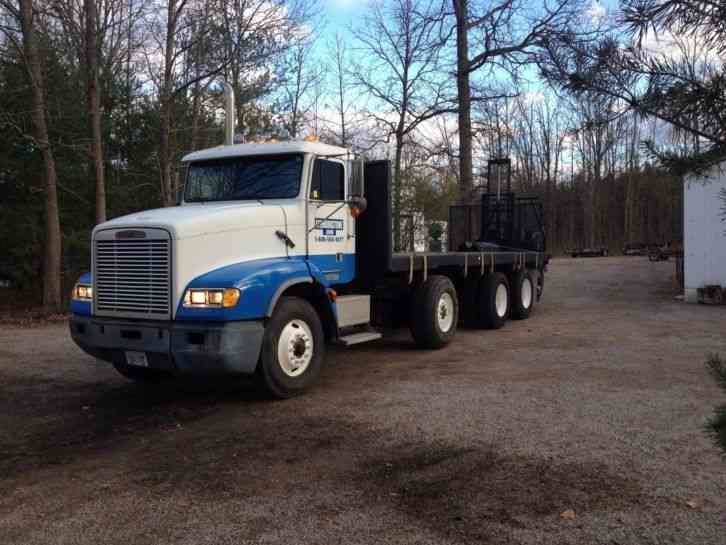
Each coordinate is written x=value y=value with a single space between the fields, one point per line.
x=131 y=277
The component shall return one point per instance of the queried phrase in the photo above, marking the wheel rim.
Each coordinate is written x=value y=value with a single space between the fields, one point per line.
x=526 y=292
x=500 y=300
x=445 y=312
x=295 y=348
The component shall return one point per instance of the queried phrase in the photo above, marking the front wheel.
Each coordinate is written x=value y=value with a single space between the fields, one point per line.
x=293 y=349
x=434 y=312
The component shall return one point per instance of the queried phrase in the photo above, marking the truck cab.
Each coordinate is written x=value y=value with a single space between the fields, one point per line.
x=190 y=289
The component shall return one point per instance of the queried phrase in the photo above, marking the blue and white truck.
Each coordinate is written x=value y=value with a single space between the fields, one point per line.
x=276 y=250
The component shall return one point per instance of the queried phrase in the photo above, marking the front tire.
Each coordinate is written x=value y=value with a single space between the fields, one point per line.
x=293 y=349
x=434 y=312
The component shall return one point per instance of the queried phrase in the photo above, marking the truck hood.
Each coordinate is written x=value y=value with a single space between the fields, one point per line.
x=193 y=220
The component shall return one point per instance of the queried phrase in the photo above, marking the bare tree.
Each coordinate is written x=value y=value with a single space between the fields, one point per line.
x=255 y=34
x=94 y=106
x=341 y=86
x=301 y=77
x=501 y=35
x=402 y=76
x=597 y=135
x=97 y=39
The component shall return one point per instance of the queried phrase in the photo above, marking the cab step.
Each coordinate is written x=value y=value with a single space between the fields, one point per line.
x=359 y=338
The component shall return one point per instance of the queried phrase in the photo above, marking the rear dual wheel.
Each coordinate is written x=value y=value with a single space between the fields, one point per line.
x=488 y=302
x=524 y=292
x=494 y=300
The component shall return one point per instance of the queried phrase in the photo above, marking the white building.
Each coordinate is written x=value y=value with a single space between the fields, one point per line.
x=704 y=236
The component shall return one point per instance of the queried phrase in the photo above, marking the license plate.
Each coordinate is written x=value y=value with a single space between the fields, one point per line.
x=137 y=359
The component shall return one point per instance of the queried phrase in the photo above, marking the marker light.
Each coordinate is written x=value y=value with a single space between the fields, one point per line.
x=211 y=298
x=82 y=292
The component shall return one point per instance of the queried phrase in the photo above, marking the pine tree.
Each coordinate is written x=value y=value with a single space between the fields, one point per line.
x=716 y=425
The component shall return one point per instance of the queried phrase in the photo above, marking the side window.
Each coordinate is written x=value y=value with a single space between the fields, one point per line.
x=328 y=182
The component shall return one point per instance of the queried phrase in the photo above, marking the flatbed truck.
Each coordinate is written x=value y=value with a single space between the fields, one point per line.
x=275 y=251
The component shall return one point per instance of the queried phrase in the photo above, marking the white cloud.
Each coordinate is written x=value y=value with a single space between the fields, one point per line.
x=346 y=4
x=597 y=12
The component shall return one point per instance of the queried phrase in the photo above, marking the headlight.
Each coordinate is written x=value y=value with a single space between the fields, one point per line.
x=82 y=292
x=211 y=298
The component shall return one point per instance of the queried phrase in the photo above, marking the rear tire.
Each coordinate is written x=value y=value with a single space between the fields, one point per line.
x=293 y=349
x=523 y=294
x=434 y=312
x=494 y=300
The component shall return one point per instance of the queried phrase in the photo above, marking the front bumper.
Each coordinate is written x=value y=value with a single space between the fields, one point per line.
x=199 y=348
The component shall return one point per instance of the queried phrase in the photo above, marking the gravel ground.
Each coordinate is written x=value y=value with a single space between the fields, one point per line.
x=595 y=404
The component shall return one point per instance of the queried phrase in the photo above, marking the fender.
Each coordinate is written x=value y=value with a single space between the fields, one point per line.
x=82 y=308
x=261 y=283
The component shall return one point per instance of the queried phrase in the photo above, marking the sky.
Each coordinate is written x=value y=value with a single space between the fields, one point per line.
x=339 y=14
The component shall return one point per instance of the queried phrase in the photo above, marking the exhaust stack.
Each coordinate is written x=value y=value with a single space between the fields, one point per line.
x=229 y=114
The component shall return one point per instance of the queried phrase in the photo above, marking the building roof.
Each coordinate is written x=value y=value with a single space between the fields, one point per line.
x=241 y=150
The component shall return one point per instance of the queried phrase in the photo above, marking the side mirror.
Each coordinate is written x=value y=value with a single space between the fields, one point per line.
x=357 y=206
x=357 y=179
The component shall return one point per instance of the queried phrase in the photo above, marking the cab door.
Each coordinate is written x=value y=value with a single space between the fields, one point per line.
x=331 y=229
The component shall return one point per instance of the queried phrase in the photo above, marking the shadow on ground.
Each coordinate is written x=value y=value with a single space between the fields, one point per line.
x=66 y=419
x=476 y=495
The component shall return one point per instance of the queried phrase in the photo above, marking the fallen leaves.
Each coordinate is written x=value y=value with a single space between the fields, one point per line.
x=694 y=503
x=568 y=514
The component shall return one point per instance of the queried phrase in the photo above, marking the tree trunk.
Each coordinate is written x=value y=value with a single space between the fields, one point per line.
x=52 y=258
x=196 y=113
x=165 y=100
x=94 y=108
x=165 y=154
x=466 y=170
x=343 y=135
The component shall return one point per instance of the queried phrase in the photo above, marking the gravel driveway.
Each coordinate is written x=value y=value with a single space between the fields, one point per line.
x=596 y=404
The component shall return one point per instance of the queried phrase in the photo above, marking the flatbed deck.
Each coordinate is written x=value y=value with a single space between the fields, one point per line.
x=468 y=261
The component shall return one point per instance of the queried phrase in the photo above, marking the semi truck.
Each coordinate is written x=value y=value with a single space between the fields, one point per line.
x=277 y=250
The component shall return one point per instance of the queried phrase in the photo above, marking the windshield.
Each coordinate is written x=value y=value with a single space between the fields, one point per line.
x=244 y=178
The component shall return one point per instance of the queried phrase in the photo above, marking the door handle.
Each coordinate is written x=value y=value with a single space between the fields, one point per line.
x=286 y=239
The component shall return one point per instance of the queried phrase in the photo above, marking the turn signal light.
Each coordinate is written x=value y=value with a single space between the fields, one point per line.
x=230 y=298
